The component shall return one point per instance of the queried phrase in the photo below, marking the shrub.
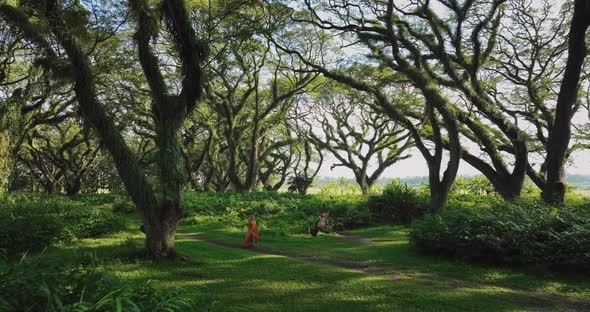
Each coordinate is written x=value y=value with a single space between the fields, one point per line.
x=38 y=222
x=94 y=199
x=30 y=231
x=399 y=204
x=340 y=187
x=35 y=287
x=346 y=212
x=123 y=205
x=282 y=212
x=519 y=233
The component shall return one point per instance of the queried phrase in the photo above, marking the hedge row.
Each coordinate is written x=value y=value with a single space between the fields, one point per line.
x=518 y=233
x=34 y=222
x=293 y=211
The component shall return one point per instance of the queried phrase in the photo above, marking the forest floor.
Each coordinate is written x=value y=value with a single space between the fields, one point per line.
x=372 y=269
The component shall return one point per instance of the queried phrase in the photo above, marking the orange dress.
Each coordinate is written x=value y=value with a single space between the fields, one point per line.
x=251 y=235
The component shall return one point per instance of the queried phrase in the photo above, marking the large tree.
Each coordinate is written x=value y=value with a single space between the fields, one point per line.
x=251 y=88
x=373 y=28
x=357 y=135
x=530 y=59
x=559 y=138
x=68 y=24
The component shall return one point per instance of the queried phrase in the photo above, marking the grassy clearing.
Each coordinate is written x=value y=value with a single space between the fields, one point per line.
x=219 y=278
x=226 y=279
x=389 y=246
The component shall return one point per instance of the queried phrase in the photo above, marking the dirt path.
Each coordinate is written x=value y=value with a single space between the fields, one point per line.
x=393 y=273
x=355 y=238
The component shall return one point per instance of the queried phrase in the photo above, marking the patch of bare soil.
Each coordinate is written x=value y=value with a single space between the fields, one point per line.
x=354 y=238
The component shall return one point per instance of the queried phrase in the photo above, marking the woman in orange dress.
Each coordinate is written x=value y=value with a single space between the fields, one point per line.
x=252 y=234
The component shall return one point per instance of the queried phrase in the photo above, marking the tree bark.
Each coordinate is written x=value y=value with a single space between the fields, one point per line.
x=364 y=184
x=168 y=111
x=73 y=187
x=4 y=162
x=439 y=195
x=554 y=191
x=508 y=185
x=50 y=187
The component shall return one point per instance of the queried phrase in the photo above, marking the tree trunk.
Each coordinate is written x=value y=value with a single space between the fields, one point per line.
x=160 y=231
x=251 y=175
x=4 y=162
x=510 y=189
x=161 y=222
x=73 y=188
x=439 y=197
x=559 y=138
x=507 y=185
x=365 y=187
x=233 y=166
x=50 y=187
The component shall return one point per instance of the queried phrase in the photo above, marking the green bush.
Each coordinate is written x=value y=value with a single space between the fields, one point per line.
x=518 y=233
x=37 y=222
x=398 y=204
x=346 y=212
x=282 y=212
x=123 y=205
x=35 y=287
x=95 y=199
x=31 y=231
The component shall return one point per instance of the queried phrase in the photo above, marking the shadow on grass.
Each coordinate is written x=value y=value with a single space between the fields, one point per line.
x=238 y=280
x=398 y=254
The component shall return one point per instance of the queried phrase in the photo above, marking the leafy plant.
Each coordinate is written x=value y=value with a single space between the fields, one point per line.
x=34 y=287
x=123 y=205
x=283 y=212
x=524 y=232
x=40 y=221
x=399 y=204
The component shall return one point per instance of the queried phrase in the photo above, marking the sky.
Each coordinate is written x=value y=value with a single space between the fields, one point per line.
x=416 y=166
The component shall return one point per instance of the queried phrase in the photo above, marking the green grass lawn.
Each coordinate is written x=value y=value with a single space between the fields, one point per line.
x=231 y=279
x=390 y=247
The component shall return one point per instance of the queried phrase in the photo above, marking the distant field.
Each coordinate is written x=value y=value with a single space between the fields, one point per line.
x=583 y=189
x=585 y=192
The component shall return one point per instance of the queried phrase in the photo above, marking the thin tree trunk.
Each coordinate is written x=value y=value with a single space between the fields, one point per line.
x=559 y=138
x=4 y=162
x=252 y=166
x=50 y=187
x=233 y=167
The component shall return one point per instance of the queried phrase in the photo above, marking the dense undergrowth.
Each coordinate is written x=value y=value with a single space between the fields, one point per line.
x=523 y=232
x=277 y=212
x=475 y=227
x=79 y=285
x=30 y=222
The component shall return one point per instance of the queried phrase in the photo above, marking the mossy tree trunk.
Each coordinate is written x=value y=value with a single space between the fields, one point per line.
x=161 y=209
x=169 y=112
x=4 y=162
